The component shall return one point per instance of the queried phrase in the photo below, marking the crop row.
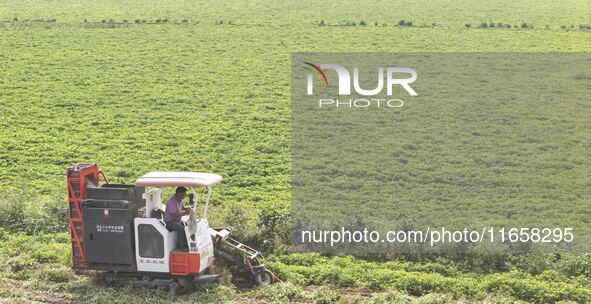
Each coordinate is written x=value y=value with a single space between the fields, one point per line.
x=418 y=280
x=483 y=25
x=362 y=23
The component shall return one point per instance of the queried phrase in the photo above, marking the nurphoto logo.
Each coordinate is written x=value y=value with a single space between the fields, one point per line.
x=387 y=75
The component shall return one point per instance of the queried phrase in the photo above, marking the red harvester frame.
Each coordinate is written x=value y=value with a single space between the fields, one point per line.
x=78 y=178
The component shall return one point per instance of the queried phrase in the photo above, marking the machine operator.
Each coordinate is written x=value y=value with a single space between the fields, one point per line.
x=173 y=214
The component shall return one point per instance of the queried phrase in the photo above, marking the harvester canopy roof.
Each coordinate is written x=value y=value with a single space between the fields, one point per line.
x=177 y=179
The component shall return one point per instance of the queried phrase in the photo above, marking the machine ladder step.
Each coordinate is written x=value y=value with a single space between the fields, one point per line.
x=78 y=177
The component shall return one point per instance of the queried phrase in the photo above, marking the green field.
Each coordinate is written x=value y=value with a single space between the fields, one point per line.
x=138 y=86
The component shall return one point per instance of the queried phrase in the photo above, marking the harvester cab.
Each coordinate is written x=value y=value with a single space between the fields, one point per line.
x=119 y=229
x=156 y=243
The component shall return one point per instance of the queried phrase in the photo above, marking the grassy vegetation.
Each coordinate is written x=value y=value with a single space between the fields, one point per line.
x=418 y=279
x=175 y=85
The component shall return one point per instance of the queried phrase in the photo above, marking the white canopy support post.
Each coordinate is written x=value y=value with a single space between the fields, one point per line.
x=191 y=228
x=196 y=198
x=208 y=189
x=153 y=199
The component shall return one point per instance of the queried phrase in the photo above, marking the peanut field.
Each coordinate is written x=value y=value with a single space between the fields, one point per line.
x=139 y=86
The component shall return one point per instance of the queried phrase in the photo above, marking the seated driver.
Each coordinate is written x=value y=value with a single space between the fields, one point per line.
x=173 y=213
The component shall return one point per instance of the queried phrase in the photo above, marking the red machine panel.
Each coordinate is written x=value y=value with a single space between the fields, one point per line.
x=184 y=263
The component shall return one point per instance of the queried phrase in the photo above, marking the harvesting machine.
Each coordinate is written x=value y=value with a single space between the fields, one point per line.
x=119 y=230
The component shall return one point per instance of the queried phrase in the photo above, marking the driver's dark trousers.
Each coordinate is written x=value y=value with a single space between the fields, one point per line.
x=180 y=229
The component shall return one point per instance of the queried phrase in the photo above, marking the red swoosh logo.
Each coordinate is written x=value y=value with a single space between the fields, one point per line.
x=319 y=71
